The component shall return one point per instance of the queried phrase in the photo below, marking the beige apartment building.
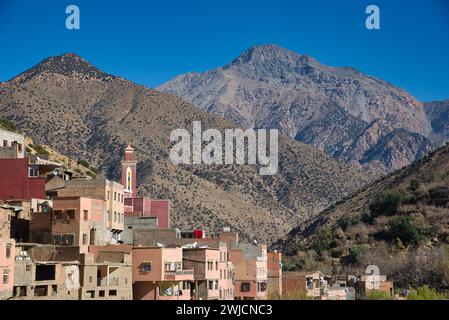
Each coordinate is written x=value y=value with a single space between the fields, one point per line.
x=106 y=274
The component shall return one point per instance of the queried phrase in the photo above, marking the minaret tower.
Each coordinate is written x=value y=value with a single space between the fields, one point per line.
x=129 y=173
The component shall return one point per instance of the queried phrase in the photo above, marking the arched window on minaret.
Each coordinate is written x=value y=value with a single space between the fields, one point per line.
x=129 y=179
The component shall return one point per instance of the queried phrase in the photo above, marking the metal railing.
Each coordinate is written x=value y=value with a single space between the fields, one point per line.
x=104 y=282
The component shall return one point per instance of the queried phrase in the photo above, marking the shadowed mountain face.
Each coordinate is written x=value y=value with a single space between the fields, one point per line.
x=351 y=116
x=82 y=112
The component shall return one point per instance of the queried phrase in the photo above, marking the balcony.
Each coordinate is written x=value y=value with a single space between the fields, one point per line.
x=178 y=275
x=113 y=282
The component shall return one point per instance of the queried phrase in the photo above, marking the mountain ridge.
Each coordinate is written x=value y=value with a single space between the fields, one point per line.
x=86 y=113
x=268 y=86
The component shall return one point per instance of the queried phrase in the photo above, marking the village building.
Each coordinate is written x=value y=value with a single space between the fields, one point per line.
x=159 y=274
x=46 y=272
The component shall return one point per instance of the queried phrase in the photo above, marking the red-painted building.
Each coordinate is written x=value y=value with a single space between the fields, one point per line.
x=146 y=207
x=20 y=181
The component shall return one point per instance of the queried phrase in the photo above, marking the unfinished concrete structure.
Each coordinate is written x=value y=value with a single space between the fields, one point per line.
x=46 y=272
x=136 y=223
x=205 y=263
x=106 y=274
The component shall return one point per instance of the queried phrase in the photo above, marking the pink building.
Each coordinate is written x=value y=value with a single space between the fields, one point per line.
x=158 y=274
x=76 y=221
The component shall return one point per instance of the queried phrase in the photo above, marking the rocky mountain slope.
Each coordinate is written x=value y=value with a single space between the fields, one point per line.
x=82 y=112
x=399 y=223
x=352 y=116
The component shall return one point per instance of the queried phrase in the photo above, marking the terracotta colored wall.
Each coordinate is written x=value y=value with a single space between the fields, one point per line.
x=15 y=183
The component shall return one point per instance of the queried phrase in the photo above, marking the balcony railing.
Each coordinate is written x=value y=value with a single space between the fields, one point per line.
x=172 y=274
x=104 y=282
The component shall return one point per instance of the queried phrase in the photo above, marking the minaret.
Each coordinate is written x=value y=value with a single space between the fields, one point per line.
x=129 y=177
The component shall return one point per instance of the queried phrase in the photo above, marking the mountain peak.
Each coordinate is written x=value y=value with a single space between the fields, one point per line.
x=67 y=64
x=270 y=52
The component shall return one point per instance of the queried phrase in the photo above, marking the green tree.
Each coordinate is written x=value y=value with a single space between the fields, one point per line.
x=322 y=240
x=356 y=253
x=9 y=125
x=425 y=293
x=388 y=202
x=402 y=228
x=415 y=184
x=378 y=295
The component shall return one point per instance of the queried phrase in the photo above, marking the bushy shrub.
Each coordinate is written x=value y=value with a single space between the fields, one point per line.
x=322 y=240
x=9 y=125
x=356 y=254
x=84 y=163
x=388 y=203
x=378 y=295
x=415 y=184
x=346 y=222
x=39 y=149
x=425 y=293
x=402 y=228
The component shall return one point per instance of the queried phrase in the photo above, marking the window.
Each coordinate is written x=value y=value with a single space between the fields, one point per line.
x=210 y=265
x=211 y=285
x=216 y=285
x=5 y=143
x=57 y=239
x=57 y=214
x=28 y=267
x=8 y=250
x=5 y=277
x=33 y=172
x=71 y=214
x=85 y=239
x=19 y=146
x=70 y=239
x=115 y=196
x=167 y=266
x=86 y=215
x=216 y=265
x=101 y=293
x=90 y=279
x=146 y=266
x=109 y=195
x=245 y=287
x=112 y=293
x=90 y=294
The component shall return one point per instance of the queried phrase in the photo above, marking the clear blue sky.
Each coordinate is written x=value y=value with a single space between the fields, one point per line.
x=149 y=42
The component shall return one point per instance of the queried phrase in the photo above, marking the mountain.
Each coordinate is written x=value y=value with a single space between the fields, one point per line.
x=85 y=113
x=399 y=223
x=354 y=117
x=438 y=114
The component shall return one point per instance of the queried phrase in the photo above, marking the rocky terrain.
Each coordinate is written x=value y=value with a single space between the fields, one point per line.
x=85 y=113
x=352 y=116
x=399 y=223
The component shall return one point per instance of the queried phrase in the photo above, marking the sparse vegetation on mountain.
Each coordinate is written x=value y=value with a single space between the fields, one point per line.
x=399 y=223
x=82 y=112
